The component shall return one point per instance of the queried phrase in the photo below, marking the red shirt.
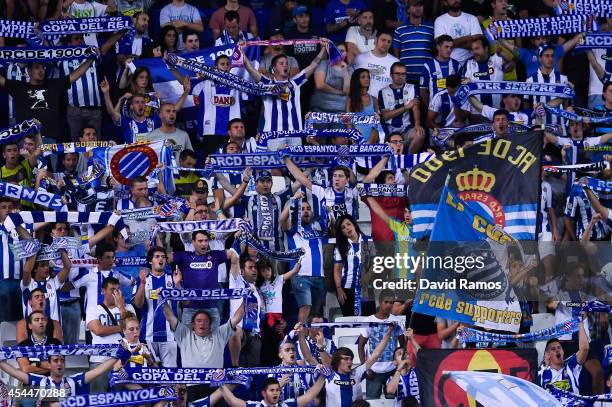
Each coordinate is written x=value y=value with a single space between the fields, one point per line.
x=394 y=207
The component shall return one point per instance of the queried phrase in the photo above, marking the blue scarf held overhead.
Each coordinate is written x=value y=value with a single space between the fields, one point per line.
x=540 y=27
x=48 y=54
x=504 y=88
x=18 y=131
x=122 y=398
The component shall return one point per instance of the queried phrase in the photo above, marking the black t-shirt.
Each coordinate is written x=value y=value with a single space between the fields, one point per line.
x=303 y=53
x=45 y=102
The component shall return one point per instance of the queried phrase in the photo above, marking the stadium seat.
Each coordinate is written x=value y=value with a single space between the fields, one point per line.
x=82 y=330
x=8 y=333
x=381 y=402
x=542 y=321
x=76 y=364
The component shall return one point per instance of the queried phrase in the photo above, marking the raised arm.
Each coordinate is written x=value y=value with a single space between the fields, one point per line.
x=62 y=276
x=28 y=267
x=237 y=317
x=380 y=165
x=114 y=113
x=297 y=173
x=16 y=373
x=381 y=346
x=583 y=344
x=377 y=209
x=599 y=70
x=569 y=45
x=230 y=399
x=108 y=44
x=139 y=297
x=237 y=195
x=170 y=317
x=248 y=65
x=601 y=209
x=80 y=71
x=186 y=90
x=293 y=271
x=305 y=399
x=99 y=370
x=309 y=70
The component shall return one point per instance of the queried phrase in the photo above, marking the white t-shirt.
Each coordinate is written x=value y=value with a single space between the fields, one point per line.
x=380 y=70
x=457 y=27
x=272 y=293
x=86 y=10
x=186 y=13
x=93 y=282
x=100 y=314
x=362 y=43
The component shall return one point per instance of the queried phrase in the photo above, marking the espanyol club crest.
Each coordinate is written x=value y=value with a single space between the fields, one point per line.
x=218 y=375
x=475 y=185
x=132 y=161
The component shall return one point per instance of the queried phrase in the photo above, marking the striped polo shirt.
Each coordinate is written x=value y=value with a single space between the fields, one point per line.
x=415 y=44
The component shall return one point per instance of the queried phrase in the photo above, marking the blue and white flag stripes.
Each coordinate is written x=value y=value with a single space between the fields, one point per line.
x=495 y=389
x=105 y=218
x=599 y=8
x=504 y=88
x=121 y=398
x=35 y=196
x=502 y=175
x=536 y=27
x=18 y=131
x=47 y=55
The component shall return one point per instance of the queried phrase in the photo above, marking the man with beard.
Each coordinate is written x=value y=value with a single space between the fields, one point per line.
x=155 y=329
x=361 y=38
x=308 y=286
x=562 y=373
x=482 y=67
x=462 y=27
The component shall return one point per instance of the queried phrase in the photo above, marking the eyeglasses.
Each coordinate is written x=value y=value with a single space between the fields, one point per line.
x=201 y=212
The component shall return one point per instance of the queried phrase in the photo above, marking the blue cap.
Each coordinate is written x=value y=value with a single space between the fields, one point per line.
x=300 y=10
x=263 y=174
x=544 y=47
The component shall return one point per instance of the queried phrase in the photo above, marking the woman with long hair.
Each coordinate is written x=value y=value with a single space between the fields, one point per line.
x=168 y=39
x=140 y=82
x=348 y=261
x=359 y=101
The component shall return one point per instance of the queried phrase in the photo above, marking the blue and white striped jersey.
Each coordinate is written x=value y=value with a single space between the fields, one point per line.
x=415 y=44
x=284 y=112
x=389 y=99
x=216 y=104
x=553 y=77
x=490 y=70
x=154 y=327
x=75 y=383
x=578 y=208
x=84 y=92
x=337 y=203
x=351 y=267
x=312 y=261
x=12 y=266
x=278 y=201
x=435 y=72
x=567 y=378
x=93 y=283
x=50 y=287
x=298 y=384
x=408 y=385
x=342 y=389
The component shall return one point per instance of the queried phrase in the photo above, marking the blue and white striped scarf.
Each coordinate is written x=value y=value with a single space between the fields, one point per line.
x=573 y=399
x=575 y=117
x=16 y=29
x=599 y=8
x=76 y=147
x=226 y=78
x=564 y=169
x=177 y=375
x=595 y=41
x=194 y=294
x=382 y=190
x=18 y=131
x=342 y=118
x=48 y=54
x=122 y=398
x=596 y=184
x=503 y=88
x=536 y=27
x=105 y=218
x=255 y=243
x=402 y=161
x=263 y=138
x=266 y=160
x=473 y=335
x=35 y=196
x=84 y=25
x=13 y=352
x=213 y=226
x=360 y=150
